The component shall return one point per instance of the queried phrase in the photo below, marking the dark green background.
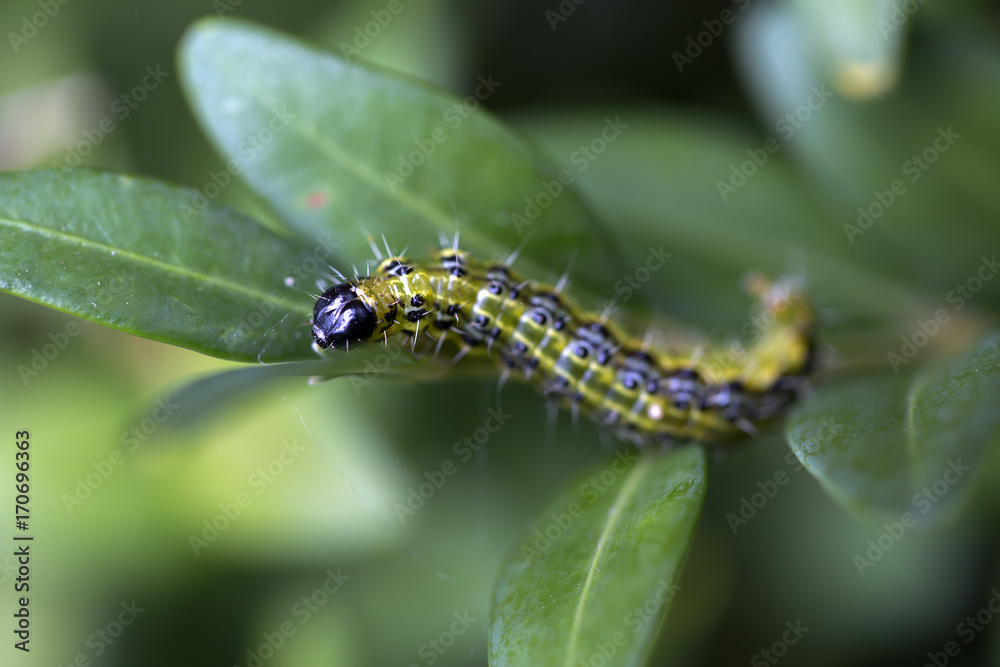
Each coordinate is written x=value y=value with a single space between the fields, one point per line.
x=333 y=506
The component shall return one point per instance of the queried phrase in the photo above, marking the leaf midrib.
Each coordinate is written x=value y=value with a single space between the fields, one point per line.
x=72 y=239
x=309 y=133
x=626 y=494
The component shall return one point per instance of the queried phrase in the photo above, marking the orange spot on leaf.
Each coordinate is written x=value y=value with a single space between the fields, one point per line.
x=316 y=200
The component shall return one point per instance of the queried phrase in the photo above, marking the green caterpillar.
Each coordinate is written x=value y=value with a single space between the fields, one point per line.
x=535 y=333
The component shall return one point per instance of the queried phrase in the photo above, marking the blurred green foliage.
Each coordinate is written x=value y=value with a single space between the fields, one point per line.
x=318 y=474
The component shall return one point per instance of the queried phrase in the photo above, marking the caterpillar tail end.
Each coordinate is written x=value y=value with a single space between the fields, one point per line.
x=784 y=328
x=782 y=302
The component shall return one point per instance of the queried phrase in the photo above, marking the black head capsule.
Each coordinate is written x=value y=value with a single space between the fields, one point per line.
x=341 y=318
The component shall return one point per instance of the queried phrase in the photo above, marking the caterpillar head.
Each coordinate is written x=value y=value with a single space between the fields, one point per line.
x=342 y=317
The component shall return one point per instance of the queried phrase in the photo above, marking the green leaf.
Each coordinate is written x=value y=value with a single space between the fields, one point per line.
x=614 y=540
x=883 y=447
x=203 y=399
x=661 y=186
x=142 y=257
x=333 y=145
x=403 y=44
x=856 y=45
x=889 y=170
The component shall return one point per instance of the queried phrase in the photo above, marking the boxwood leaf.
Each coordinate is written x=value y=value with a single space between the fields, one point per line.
x=136 y=255
x=336 y=145
x=197 y=401
x=593 y=577
x=886 y=446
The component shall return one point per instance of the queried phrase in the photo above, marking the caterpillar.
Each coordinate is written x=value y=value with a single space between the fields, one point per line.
x=534 y=332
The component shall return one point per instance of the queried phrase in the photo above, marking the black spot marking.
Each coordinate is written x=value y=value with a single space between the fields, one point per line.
x=495 y=288
x=481 y=321
x=639 y=355
x=556 y=387
x=457 y=271
x=442 y=324
x=787 y=383
x=416 y=315
x=548 y=300
x=599 y=328
x=390 y=318
x=416 y=300
x=396 y=268
x=540 y=316
x=453 y=309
